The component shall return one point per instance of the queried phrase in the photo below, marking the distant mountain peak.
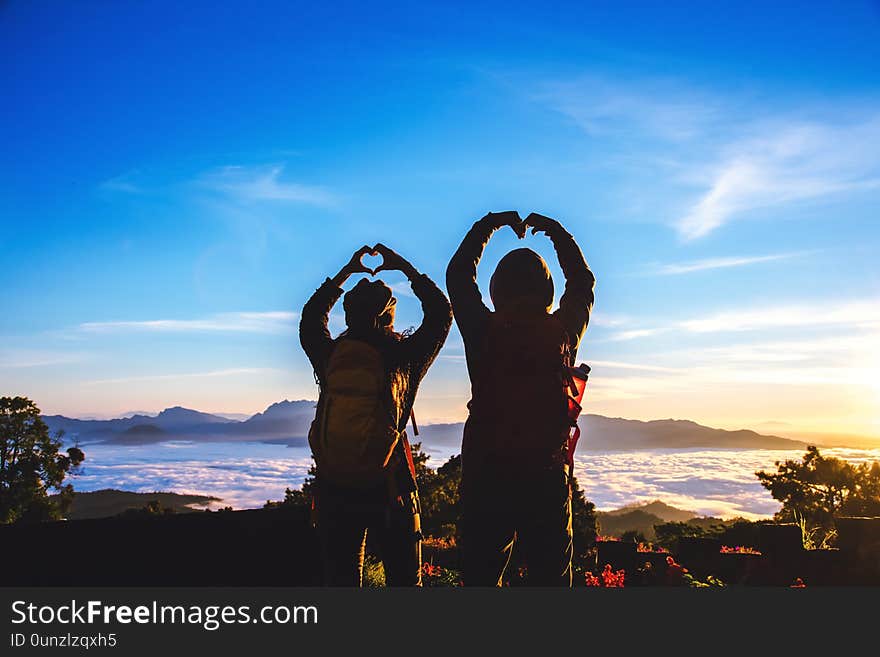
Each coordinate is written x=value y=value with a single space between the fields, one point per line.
x=285 y=407
x=188 y=415
x=127 y=414
x=658 y=508
x=600 y=433
x=289 y=402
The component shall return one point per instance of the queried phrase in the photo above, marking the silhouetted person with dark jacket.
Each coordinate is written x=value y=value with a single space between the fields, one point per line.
x=515 y=479
x=369 y=376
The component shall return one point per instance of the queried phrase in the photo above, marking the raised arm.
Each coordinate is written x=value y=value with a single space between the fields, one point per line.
x=461 y=274
x=422 y=346
x=576 y=302
x=314 y=335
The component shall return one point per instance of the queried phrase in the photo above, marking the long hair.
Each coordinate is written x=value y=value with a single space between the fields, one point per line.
x=369 y=313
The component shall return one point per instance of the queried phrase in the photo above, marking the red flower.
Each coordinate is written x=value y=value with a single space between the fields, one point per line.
x=675 y=572
x=612 y=579
x=607 y=578
x=649 y=547
x=431 y=570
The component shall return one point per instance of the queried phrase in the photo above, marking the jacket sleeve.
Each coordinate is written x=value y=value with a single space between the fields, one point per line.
x=461 y=279
x=423 y=345
x=576 y=302
x=314 y=336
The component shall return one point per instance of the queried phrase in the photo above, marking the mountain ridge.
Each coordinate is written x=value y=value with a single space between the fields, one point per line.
x=288 y=422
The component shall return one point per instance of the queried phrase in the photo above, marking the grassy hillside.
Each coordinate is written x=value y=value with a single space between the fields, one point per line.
x=110 y=502
x=657 y=508
x=642 y=517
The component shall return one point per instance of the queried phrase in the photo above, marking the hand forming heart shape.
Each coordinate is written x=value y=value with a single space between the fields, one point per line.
x=381 y=258
x=372 y=262
x=537 y=222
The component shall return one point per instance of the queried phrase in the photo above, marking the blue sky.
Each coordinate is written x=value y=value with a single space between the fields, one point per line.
x=176 y=180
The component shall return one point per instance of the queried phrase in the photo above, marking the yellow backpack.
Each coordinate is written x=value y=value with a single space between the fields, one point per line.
x=355 y=434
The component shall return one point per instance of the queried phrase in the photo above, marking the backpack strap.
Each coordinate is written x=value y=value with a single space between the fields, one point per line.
x=410 y=462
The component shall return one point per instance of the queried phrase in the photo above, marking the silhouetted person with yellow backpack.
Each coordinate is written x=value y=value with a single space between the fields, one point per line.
x=369 y=376
x=516 y=456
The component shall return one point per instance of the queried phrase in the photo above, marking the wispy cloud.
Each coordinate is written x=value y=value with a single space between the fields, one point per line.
x=658 y=108
x=239 y=322
x=835 y=349
x=719 y=263
x=260 y=184
x=24 y=358
x=632 y=334
x=459 y=358
x=606 y=320
x=781 y=164
x=403 y=289
x=187 y=375
x=644 y=367
x=728 y=156
x=809 y=377
x=244 y=185
x=852 y=314
x=856 y=314
x=122 y=184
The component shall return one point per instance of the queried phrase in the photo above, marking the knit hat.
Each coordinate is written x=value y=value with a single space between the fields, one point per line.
x=369 y=305
x=521 y=276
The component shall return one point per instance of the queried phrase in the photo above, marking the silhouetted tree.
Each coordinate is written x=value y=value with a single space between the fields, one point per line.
x=584 y=525
x=633 y=536
x=151 y=508
x=438 y=495
x=297 y=496
x=292 y=497
x=424 y=474
x=739 y=531
x=667 y=534
x=32 y=463
x=818 y=488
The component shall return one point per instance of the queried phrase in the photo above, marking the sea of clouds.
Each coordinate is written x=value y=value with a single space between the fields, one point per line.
x=244 y=475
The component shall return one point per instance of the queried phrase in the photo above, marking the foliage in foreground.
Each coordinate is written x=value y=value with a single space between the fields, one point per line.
x=32 y=464
x=817 y=489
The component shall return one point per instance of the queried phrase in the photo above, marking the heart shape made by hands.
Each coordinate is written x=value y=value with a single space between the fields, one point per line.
x=372 y=262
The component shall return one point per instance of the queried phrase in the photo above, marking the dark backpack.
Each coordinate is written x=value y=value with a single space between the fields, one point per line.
x=521 y=392
x=354 y=435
